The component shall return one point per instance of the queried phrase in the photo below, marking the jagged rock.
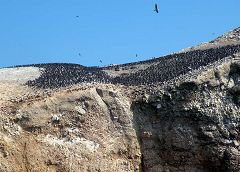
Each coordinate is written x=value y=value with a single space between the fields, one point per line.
x=175 y=113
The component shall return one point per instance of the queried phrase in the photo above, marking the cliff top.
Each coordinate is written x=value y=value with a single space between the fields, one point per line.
x=152 y=71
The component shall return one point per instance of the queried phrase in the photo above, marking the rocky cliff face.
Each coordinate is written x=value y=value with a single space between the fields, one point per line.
x=174 y=113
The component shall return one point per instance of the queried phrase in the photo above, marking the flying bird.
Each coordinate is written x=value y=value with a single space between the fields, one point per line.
x=79 y=54
x=136 y=55
x=100 y=61
x=77 y=16
x=156 y=8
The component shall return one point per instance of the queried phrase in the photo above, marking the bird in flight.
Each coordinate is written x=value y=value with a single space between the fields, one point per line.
x=136 y=55
x=100 y=61
x=156 y=8
x=79 y=54
x=77 y=16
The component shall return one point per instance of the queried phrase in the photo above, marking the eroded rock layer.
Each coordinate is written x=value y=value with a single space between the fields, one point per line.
x=176 y=113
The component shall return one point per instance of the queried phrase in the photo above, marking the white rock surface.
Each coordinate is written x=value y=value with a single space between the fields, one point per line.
x=19 y=74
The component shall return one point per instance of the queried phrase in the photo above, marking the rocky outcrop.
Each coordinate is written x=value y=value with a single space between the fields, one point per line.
x=63 y=117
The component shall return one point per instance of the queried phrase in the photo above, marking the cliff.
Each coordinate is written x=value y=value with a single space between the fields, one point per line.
x=174 y=113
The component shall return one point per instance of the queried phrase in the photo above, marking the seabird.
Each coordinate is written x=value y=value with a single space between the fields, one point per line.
x=156 y=8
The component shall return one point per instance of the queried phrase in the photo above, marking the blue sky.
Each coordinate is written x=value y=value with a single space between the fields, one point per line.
x=46 y=31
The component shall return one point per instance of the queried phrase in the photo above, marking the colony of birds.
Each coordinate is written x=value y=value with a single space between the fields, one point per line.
x=174 y=65
x=163 y=69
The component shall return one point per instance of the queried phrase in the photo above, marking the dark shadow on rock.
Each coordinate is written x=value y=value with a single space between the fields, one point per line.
x=177 y=140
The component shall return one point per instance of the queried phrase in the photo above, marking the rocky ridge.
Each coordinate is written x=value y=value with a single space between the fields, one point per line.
x=174 y=113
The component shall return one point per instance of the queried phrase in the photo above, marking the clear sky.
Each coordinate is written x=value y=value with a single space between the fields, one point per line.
x=46 y=31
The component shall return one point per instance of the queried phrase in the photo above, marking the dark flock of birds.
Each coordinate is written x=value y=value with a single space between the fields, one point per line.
x=162 y=69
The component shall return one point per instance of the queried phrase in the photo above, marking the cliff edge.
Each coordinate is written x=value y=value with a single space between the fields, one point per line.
x=180 y=112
